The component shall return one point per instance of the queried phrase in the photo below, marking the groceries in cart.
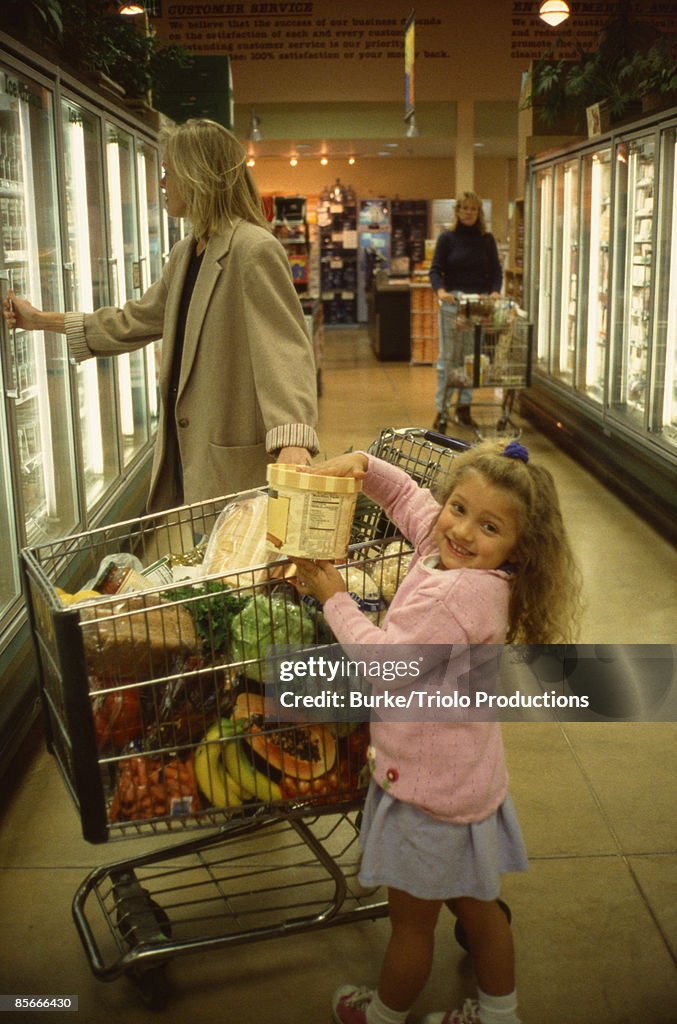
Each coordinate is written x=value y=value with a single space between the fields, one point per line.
x=172 y=637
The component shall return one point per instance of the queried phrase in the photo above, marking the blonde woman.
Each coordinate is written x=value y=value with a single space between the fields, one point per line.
x=465 y=261
x=237 y=379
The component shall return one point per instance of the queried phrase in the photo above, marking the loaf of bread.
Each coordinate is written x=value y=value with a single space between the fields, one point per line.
x=238 y=539
x=136 y=638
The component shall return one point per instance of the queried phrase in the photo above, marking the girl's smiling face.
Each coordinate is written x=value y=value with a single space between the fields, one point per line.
x=478 y=527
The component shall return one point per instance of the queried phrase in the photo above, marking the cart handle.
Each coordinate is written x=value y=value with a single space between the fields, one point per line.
x=446 y=442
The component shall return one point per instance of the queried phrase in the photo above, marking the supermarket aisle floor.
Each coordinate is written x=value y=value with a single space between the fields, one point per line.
x=595 y=917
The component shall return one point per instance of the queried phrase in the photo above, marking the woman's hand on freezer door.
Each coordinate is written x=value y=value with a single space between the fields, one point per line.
x=19 y=312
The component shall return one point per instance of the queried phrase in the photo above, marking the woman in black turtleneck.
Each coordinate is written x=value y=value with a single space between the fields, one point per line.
x=465 y=261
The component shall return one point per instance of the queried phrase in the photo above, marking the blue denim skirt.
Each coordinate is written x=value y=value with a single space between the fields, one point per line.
x=406 y=848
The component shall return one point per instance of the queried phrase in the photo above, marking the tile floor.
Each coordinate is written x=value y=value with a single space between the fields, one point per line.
x=595 y=918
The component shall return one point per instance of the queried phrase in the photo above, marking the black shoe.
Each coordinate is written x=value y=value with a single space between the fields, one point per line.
x=463 y=415
x=440 y=424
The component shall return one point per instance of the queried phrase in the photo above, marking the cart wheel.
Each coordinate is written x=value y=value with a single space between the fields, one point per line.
x=151 y=984
x=459 y=930
x=128 y=926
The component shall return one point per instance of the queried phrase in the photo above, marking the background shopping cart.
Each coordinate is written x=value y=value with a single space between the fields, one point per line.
x=155 y=714
x=485 y=344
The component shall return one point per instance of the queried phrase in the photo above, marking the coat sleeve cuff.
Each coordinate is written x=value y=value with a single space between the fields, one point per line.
x=78 y=349
x=292 y=435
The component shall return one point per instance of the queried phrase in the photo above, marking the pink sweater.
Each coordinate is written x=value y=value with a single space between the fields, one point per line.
x=453 y=770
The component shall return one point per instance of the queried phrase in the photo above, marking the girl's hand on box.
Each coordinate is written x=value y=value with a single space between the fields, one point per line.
x=319 y=579
x=353 y=464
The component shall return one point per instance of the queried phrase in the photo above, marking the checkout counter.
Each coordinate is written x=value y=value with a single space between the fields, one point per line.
x=388 y=304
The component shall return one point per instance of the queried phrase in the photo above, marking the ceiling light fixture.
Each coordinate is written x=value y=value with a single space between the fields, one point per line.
x=255 y=134
x=554 y=12
x=131 y=8
x=293 y=162
x=324 y=161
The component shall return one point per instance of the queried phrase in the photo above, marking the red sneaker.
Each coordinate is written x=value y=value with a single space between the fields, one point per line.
x=349 y=1004
x=468 y=1014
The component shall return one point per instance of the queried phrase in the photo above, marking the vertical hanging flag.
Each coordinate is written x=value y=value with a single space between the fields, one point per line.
x=409 y=54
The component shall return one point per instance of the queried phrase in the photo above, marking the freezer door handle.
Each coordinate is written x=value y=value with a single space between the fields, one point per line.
x=8 y=348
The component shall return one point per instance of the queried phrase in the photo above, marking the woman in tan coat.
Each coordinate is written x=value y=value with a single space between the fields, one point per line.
x=237 y=378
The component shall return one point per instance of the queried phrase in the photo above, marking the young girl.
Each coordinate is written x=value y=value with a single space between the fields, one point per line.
x=492 y=564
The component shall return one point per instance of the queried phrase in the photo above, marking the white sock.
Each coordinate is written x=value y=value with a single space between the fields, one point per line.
x=498 y=1009
x=379 y=1013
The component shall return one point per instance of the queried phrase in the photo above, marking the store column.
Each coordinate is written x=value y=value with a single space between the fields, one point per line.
x=465 y=152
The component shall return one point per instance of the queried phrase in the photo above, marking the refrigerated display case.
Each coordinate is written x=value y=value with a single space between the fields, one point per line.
x=634 y=246
x=87 y=287
x=602 y=292
x=597 y=237
x=36 y=367
x=81 y=225
x=125 y=269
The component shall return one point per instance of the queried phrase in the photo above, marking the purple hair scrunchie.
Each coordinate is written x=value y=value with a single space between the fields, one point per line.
x=515 y=450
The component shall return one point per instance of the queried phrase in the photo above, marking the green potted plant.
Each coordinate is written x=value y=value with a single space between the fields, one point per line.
x=656 y=74
x=608 y=79
x=112 y=45
x=35 y=22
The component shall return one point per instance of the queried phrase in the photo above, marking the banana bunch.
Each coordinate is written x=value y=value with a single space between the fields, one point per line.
x=223 y=773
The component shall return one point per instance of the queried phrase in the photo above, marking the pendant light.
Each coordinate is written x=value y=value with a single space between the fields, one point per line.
x=554 y=12
x=255 y=134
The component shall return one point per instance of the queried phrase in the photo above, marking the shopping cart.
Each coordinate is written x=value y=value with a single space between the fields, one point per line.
x=485 y=344
x=156 y=711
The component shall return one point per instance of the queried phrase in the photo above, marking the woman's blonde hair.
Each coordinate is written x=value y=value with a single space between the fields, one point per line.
x=471 y=197
x=545 y=604
x=211 y=176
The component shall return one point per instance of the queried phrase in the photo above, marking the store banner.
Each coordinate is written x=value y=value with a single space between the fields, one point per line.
x=409 y=59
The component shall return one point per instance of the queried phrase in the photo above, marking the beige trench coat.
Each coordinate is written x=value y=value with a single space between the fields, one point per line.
x=248 y=380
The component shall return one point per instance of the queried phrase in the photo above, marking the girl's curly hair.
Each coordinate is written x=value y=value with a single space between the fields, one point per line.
x=545 y=591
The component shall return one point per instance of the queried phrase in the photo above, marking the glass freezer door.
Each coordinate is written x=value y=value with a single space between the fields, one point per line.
x=126 y=284
x=597 y=215
x=541 y=262
x=10 y=585
x=36 y=370
x=565 y=296
x=664 y=411
x=87 y=288
x=150 y=239
x=634 y=248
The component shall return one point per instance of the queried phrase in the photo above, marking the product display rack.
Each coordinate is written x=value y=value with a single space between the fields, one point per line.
x=424 y=326
x=337 y=223
x=290 y=226
x=409 y=226
x=514 y=270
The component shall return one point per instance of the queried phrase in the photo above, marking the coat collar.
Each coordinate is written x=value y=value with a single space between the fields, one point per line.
x=217 y=249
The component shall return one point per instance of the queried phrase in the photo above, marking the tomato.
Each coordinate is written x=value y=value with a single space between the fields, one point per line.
x=117 y=719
